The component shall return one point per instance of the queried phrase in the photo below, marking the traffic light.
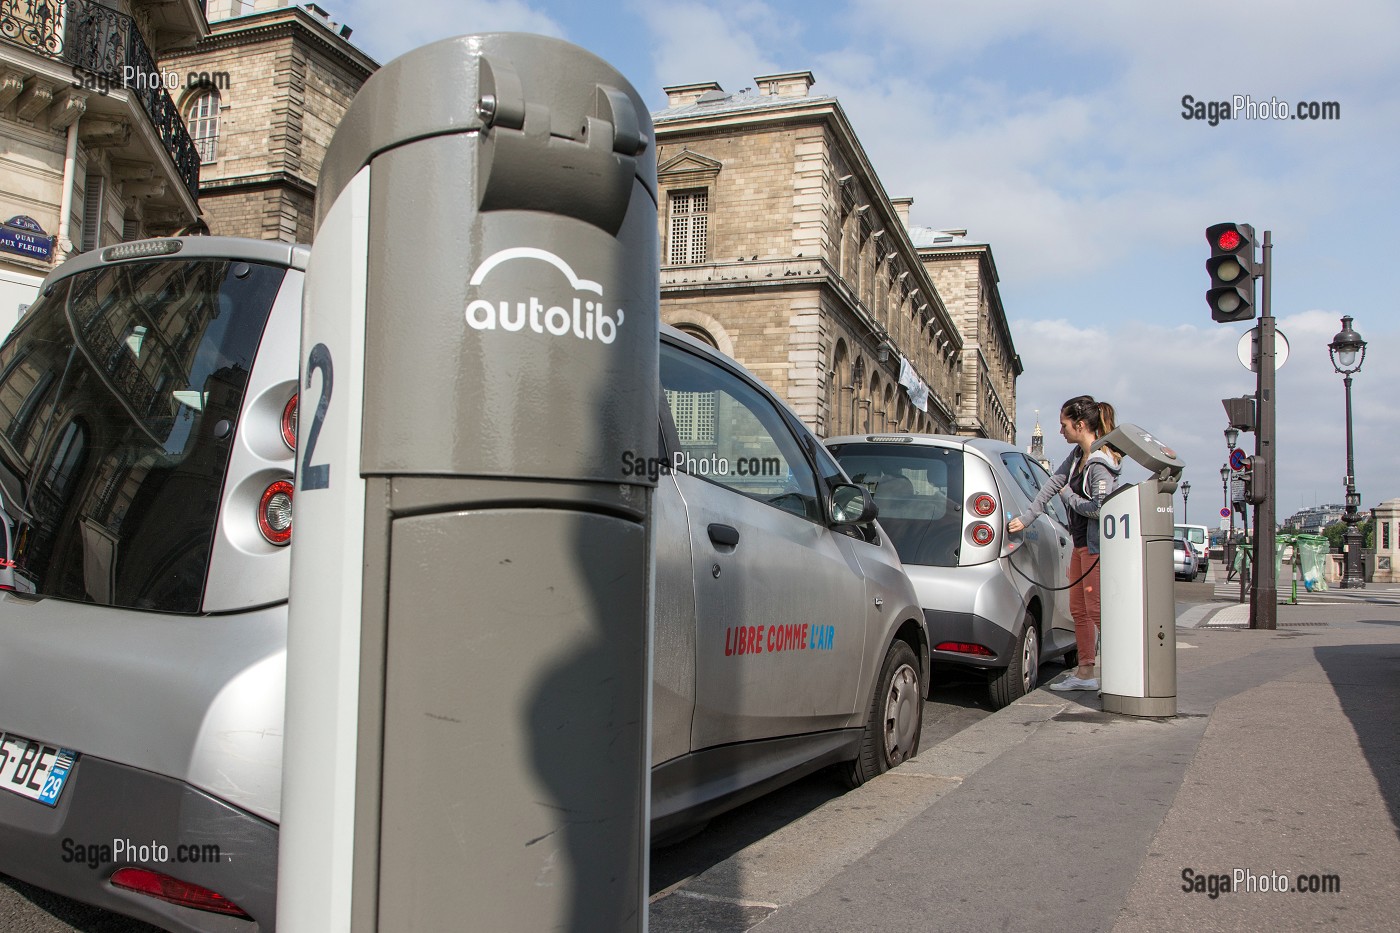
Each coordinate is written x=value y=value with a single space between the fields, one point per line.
x=1231 y=268
x=1240 y=412
x=1256 y=480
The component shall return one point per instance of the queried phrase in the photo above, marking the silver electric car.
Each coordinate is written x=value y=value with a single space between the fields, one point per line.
x=147 y=420
x=145 y=478
x=995 y=602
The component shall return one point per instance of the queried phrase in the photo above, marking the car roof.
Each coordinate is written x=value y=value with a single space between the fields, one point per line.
x=989 y=448
x=292 y=255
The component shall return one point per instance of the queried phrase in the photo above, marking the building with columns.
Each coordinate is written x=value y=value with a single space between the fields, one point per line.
x=281 y=78
x=780 y=246
x=965 y=274
x=92 y=147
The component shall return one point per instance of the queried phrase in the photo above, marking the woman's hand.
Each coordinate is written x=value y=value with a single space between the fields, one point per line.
x=1015 y=525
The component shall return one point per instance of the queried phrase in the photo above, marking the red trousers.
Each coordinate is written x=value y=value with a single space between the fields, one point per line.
x=1084 y=603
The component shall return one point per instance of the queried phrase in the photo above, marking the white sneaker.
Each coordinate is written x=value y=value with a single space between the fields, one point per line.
x=1076 y=683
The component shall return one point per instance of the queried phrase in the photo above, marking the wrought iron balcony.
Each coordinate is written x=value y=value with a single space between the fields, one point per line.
x=105 y=44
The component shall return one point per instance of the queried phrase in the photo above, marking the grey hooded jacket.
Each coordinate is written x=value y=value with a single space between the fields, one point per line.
x=1084 y=495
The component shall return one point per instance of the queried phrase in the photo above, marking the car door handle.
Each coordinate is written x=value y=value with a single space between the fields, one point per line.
x=724 y=535
x=1063 y=542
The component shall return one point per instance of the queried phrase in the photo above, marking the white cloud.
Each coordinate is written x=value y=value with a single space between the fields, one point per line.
x=725 y=42
x=387 y=30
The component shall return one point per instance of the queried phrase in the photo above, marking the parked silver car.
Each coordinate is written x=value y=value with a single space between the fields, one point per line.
x=147 y=424
x=995 y=602
x=1184 y=559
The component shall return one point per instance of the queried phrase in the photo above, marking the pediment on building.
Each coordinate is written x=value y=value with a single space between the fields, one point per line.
x=687 y=162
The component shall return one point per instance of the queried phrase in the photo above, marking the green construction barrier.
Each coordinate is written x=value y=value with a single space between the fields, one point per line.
x=1312 y=558
x=1244 y=554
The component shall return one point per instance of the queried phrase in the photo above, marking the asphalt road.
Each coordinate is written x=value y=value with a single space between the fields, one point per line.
x=955 y=704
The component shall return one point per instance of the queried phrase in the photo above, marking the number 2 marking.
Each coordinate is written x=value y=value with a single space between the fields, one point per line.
x=319 y=475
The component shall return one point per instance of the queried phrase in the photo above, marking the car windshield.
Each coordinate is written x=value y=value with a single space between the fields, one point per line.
x=918 y=489
x=119 y=391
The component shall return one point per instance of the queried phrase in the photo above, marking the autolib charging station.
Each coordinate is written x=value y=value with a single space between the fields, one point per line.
x=468 y=660
x=1137 y=625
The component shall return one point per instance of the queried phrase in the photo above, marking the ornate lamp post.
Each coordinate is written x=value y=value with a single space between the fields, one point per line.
x=1225 y=497
x=1348 y=351
x=1186 y=502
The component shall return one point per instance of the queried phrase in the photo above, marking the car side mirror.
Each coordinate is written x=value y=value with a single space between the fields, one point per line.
x=851 y=504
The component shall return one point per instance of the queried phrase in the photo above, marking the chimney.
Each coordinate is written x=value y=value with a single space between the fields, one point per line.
x=901 y=208
x=226 y=9
x=683 y=95
x=261 y=5
x=791 y=84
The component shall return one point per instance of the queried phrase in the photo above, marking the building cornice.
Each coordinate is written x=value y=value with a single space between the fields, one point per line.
x=282 y=23
x=260 y=181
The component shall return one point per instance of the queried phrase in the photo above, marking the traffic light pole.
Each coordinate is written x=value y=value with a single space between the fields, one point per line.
x=1263 y=603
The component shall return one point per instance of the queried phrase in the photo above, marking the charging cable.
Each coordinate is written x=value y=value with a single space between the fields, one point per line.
x=1042 y=585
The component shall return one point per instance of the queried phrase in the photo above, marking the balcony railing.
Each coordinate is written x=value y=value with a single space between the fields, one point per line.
x=105 y=44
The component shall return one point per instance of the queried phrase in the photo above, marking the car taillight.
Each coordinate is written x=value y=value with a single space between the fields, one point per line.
x=184 y=893
x=289 y=423
x=982 y=534
x=965 y=647
x=983 y=504
x=275 y=512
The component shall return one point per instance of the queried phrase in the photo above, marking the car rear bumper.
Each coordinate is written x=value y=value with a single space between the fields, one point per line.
x=72 y=849
x=968 y=628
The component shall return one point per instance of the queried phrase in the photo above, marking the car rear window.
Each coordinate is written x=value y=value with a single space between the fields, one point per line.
x=119 y=392
x=919 y=490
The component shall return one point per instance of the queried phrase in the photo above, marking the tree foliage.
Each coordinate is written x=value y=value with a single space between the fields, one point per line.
x=1337 y=530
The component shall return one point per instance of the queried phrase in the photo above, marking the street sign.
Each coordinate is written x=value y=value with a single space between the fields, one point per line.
x=1248 y=349
x=1237 y=458
x=1224 y=513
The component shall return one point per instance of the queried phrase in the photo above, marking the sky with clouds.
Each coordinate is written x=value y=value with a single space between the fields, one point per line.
x=1055 y=132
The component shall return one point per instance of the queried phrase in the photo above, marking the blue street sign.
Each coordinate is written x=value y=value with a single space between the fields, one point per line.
x=1237 y=458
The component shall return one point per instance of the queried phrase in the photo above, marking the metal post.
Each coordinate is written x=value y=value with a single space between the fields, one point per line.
x=1244 y=533
x=1354 y=577
x=1263 y=606
x=1229 y=536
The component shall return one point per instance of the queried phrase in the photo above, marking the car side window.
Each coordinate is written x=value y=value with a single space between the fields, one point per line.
x=1056 y=506
x=731 y=435
x=1021 y=473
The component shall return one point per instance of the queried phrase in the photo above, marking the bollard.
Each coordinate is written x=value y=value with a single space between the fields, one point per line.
x=468 y=644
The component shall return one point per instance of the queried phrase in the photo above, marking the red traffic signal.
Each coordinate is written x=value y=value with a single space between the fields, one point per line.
x=1231 y=268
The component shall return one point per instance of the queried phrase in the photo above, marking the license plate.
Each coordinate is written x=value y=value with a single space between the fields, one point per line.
x=33 y=769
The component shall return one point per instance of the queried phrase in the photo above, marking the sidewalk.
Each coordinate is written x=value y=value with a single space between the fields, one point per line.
x=1053 y=815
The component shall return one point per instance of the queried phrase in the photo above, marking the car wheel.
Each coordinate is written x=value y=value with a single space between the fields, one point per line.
x=895 y=720
x=1023 y=673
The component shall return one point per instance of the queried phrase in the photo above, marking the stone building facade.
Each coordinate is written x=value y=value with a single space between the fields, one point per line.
x=92 y=147
x=780 y=246
x=965 y=274
x=280 y=79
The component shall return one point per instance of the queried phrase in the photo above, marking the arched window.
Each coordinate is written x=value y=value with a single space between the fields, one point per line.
x=202 y=120
x=699 y=333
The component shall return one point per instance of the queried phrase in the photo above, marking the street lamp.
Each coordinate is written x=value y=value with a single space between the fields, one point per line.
x=1229 y=511
x=1232 y=436
x=1348 y=351
x=1186 y=502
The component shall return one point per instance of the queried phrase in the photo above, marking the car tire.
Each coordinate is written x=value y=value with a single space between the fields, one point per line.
x=1023 y=673
x=895 y=719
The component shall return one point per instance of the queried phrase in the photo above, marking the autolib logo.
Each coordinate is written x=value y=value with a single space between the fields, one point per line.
x=584 y=318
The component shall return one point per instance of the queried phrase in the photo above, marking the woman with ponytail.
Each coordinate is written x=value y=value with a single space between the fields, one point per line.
x=1084 y=480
